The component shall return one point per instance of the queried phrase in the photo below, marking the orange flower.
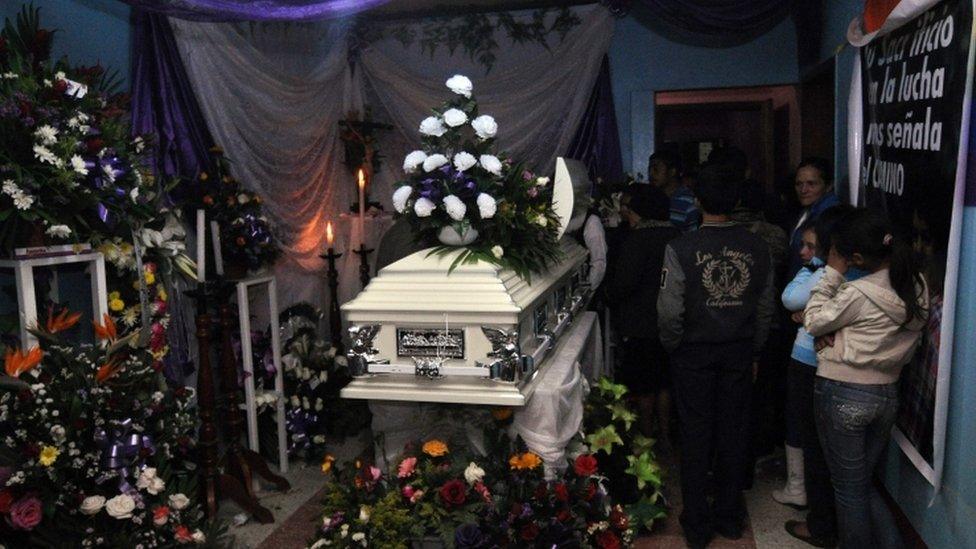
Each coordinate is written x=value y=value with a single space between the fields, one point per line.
x=108 y=330
x=525 y=461
x=434 y=448
x=107 y=370
x=16 y=362
x=63 y=321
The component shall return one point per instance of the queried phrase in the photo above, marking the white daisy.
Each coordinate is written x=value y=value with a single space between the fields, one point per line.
x=48 y=135
x=78 y=165
x=58 y=231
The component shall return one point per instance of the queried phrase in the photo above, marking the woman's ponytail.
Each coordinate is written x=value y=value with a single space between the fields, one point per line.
x=871 y=235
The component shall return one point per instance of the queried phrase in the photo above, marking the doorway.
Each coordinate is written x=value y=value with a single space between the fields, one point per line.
x=762 y=121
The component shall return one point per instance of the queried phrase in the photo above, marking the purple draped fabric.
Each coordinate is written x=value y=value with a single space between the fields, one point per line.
x=163 y=103
x=164 y=106
x=597 y=143
x=255 y=10
x=715 y=23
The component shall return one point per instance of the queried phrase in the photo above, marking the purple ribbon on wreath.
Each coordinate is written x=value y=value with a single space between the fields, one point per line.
x=123 y=448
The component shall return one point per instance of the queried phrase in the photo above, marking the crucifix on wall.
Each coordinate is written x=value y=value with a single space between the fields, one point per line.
x=358 y=134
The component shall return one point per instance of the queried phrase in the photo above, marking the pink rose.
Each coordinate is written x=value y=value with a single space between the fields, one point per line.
x=25 y=513
x=483 y=491
x=407 y=467
x=408 y=491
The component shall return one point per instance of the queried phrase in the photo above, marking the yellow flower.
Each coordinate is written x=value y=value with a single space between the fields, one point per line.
x=525 y=461
x=434 y=448
x=114 y=295
x=161 y=293
x=150 y=278
x=116 y=304
x=327 y=462
x=48 y=455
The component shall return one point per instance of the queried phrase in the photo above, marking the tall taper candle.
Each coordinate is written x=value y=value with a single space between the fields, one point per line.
x=329 y=235
x=201 y=247
x=215 y=240
x=362 y=207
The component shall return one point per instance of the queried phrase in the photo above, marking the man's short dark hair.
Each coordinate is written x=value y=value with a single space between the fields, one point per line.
x=717 y=190
x=649 y=202
x=822 y=165
x=732 y=157
x=669 y=158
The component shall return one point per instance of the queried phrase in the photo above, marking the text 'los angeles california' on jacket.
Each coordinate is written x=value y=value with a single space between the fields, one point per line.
x=716 y=287
x=871 y=339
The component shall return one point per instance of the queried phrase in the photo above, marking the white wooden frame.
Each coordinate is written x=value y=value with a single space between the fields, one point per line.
x=244 y=311
x=27 y=301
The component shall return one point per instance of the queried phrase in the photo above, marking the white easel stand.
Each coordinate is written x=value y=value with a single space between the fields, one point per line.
x=244 y=311
x=27 y=301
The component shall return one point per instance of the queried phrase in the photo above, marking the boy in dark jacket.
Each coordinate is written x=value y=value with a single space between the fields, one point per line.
x=632 y=287
x=714 y=308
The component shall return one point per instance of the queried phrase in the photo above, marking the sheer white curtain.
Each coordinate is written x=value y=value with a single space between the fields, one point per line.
x=536 y=95
x=272 y=96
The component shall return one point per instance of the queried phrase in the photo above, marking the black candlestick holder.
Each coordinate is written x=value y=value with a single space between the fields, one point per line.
x=332 y=278
x=363 y=254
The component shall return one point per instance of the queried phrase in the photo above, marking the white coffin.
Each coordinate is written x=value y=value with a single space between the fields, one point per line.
x=419 y=332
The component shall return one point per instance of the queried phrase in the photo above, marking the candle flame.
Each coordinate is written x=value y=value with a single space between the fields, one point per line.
x=362 y=179
x=329 y=236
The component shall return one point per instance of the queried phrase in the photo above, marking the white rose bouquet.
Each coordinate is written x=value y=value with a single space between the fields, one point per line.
x=462 y=191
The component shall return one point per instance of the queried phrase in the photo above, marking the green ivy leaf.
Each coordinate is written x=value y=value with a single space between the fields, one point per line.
x=621 y=412
x=604 y=439
x=608 y=387
x=644 y=469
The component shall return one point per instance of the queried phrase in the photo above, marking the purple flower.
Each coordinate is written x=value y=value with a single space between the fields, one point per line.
x=469 y=536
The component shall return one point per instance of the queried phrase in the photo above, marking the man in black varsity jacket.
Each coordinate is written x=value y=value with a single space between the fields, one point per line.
x=714 y=308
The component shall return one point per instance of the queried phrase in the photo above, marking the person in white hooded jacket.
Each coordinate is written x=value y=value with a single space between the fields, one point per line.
x=866 y=331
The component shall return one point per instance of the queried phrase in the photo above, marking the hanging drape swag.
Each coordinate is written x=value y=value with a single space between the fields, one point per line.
x=250 y=10
x=713 y=23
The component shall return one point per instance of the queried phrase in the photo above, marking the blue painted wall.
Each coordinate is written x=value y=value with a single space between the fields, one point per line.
x=88 y=31
x=642 y=62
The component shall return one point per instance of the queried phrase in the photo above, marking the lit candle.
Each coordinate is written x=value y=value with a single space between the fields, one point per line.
x=329 y=236
x=201 y=248
x=215 y=240
x=362 y=207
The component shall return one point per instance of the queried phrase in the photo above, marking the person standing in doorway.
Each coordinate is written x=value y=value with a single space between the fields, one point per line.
x=714 y=308
x=664 y=172
x=814 y=185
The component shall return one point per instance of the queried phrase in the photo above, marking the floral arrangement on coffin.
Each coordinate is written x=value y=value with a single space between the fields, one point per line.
x=247 y=239
x=69 y=168
x=462 y=192
x=96 y=452
x=633 y=473
x=467 y=501
x=314 y=374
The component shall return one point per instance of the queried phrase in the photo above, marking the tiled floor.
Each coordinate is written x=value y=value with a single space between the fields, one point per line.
x=296 y=516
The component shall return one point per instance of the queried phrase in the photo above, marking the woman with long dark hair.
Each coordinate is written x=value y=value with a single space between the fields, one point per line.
x=868 y=330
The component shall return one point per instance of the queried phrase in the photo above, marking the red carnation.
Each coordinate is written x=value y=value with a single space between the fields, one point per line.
x=562 y=494
x=6 y=498
x=607 y=540
x=619 y=519
x=585 y=465
x=454 y=492
x=529 y=532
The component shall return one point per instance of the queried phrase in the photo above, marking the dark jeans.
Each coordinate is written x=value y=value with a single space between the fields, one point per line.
x=712 y=384
x=855 y=423
x=822 y=515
